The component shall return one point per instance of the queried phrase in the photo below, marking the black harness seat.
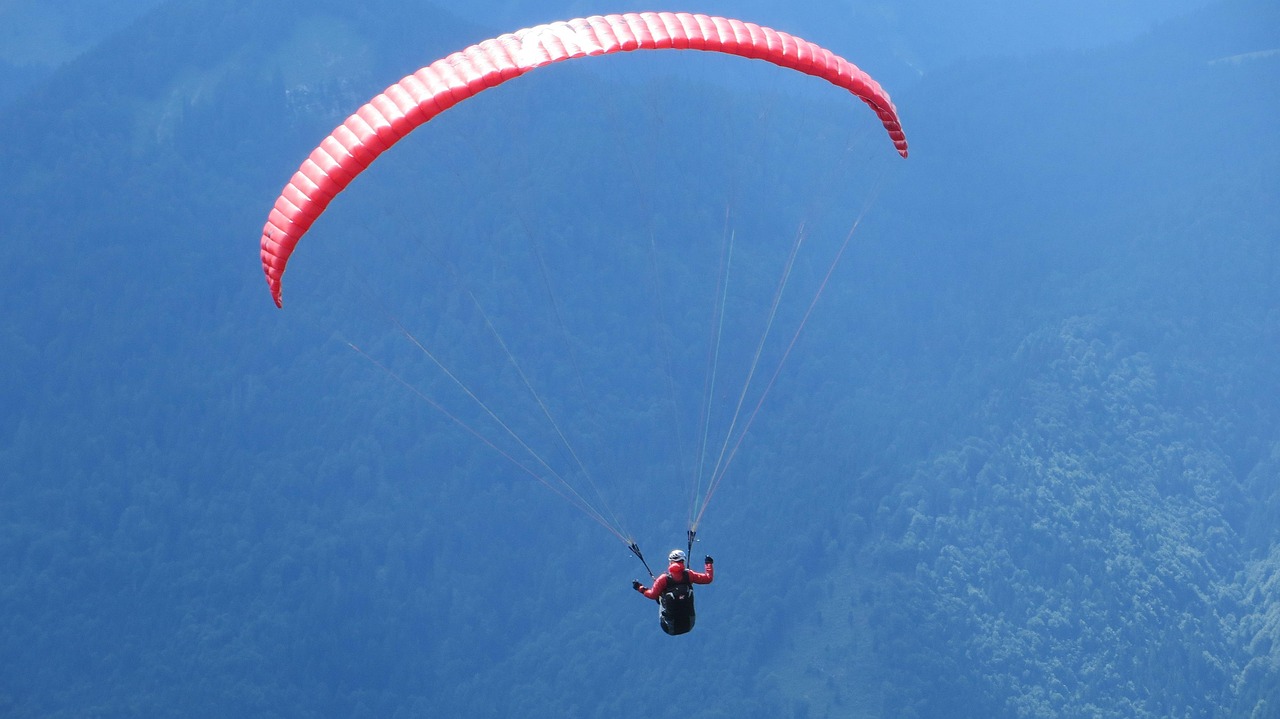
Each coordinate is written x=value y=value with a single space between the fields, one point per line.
x=675 y=605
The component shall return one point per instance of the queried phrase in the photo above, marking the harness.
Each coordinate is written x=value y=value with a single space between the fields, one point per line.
x=678 y=590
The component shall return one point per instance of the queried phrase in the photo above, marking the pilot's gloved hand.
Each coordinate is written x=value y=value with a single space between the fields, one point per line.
x=637 y=586
x=709 y=560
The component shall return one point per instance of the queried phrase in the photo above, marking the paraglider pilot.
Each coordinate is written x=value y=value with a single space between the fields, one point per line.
x=673 y=591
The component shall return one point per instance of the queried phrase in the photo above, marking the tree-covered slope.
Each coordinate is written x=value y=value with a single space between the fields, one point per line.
x=1023 y=463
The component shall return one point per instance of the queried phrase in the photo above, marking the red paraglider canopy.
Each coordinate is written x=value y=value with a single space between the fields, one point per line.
x=419 y=97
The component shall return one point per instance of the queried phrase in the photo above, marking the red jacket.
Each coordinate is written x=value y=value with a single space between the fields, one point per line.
x=677 y=570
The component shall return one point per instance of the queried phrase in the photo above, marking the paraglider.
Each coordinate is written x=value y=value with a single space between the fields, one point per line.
x=673 y=590
x=419 y=97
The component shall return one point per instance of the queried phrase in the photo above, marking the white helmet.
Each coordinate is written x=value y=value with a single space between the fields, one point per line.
x=677 y=555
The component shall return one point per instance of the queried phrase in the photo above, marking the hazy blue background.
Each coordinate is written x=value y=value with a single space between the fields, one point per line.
x=1024 y=460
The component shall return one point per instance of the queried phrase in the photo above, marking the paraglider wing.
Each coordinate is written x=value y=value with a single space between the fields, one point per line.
x=417 y=98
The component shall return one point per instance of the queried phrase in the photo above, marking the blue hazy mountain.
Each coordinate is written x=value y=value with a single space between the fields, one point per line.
x=38 y=37
x=1021 y=461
